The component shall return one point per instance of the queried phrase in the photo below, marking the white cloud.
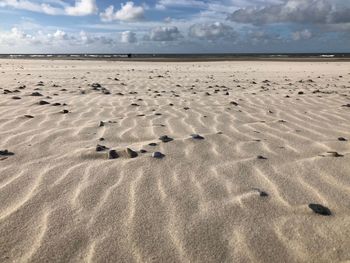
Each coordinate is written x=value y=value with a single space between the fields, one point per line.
x=164 y=4
x=128 y=37
x=31 y=6
x=82 y=8
x=60 y=35
x=299 y=35
x=212 y=31
x=16 y=36
x=128 y=12
x=164 y=33
x=59 y=38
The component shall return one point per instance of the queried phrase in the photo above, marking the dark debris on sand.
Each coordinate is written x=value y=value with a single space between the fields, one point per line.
x=158 y=155
x=165 y=138
x=320 y=209
x=131 y=153
x=6 y=153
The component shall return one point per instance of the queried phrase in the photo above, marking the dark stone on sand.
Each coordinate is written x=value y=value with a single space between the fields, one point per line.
x=131 y=153
x=186 y=108
x=334 y=154
x=56 y=104
x=96 y=85
x=158 y=155
x=152 y=144
x=342 y=139
x=134 y=104
x=101 y=139
x=261 y=193
x=112 y=154
x=234 y=103
x=65 y=111
x=260 y=157
x=165 y=138
x=346 y=105
x=100 y=148
x=197 y=137
x=101 y=124
x=16 y=98
x=320 y=209
x=6 y=153
x=36 y=94
x=43 y=102
x=143 y=151
x=300 y=92
x=29 y=116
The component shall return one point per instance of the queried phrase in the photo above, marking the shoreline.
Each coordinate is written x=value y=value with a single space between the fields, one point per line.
x=190 y=60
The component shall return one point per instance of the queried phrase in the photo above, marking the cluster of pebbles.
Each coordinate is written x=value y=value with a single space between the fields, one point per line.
x=130 y=153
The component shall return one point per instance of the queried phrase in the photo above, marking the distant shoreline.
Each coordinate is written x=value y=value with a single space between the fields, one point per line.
x=345 y=57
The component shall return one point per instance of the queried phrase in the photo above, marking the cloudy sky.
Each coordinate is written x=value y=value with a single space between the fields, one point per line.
x=174 y=26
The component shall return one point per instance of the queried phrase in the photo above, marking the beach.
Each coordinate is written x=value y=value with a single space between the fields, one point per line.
x=125 y=161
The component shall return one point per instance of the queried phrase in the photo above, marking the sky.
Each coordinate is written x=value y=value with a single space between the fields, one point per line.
x=174 y=26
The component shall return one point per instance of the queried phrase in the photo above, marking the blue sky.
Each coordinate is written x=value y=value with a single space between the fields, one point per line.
x=174 y=26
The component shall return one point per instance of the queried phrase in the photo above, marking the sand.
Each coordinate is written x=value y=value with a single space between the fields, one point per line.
x=205 y=200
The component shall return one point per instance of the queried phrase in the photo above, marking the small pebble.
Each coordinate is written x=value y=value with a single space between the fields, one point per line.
x=43 y=102
x=333 y=154
x=158 y=155
x=131 y=153
x=342 y=139
x=165 y=138
x=320 y=209
x=6 y=153
x=197 y=137
x=100 y=148
x=36 y=94
x=112 y=154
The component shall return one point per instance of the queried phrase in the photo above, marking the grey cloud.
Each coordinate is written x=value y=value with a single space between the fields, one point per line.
x=128 y=37
x=211 y=31
x=294 y=11
x=164 y=33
